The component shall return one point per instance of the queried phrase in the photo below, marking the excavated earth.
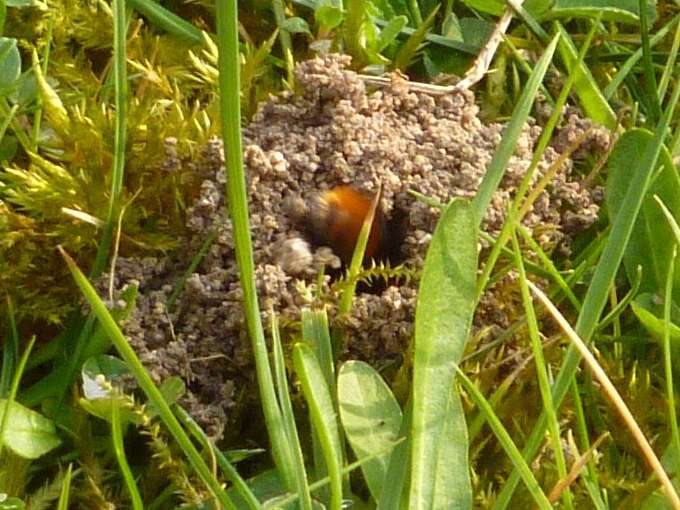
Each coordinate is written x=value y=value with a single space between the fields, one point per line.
x=334 y=131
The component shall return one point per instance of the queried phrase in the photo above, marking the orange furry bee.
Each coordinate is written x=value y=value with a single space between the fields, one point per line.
x=334 y=218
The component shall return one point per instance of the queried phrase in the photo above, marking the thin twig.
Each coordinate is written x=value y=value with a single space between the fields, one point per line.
x=575 y=470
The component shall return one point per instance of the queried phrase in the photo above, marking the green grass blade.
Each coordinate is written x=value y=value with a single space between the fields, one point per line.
x=119 y=450
x=670 y=64
x=11 y=396
x=444 y=309
x=195 y=261
x=65 y=489
x=506 y=442
x=298 y=474
x=323 y=416
x=598 y=291
x=284 y=38
x=144 y=380
x=315 y=333
x=542 y=374
x=370 y=417
x=319 y=484
x=230 y=113
x=10 y=351
x=120 y=130
x=408 y=51
x=506 y=148
x=668 y=362
x=168 y=21
x=358 y=256
x=652 y=91
x=589 y=477
x=552 y=271
x=592 y=99
x=239 y=484
x=519 y=204
x=632 y=61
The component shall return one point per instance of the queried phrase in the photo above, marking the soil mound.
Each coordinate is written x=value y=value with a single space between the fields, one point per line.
x=334 y=131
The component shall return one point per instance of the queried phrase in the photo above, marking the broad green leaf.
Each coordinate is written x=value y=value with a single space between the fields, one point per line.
x=623 y=11
x=20 y=3
x=25 y=90
x=471 y=32
x=328 y=16
x=28 y=433
x=10 y=64
x=265 y=486
x=652 y=240
x=446 y=300
x=451 y=27
x=394 y=493
x=371 y=418
x=8 y=147
x=295 y=26
x=658 y=499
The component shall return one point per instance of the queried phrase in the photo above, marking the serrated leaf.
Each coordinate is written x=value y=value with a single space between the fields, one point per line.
x=28 y=434
x=413 y=44
x=171 y=389
x=390 y=32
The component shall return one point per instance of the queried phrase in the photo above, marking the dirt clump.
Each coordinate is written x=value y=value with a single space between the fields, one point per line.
x=332 y=132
